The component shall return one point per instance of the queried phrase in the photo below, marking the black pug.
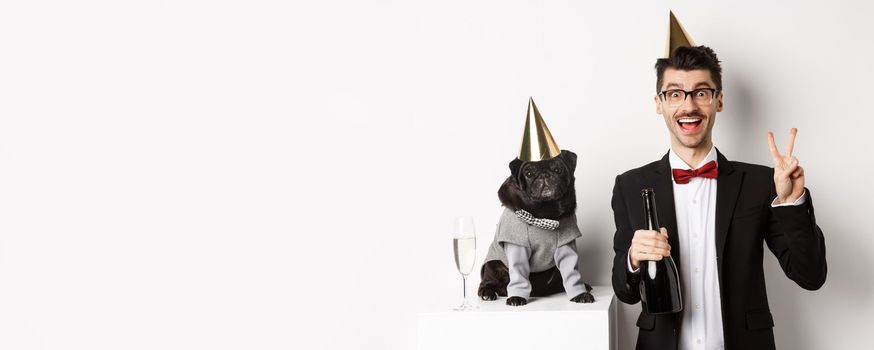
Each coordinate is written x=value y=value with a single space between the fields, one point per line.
x=539 y=200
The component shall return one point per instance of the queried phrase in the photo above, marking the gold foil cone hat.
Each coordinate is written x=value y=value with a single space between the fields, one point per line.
x=537 y=141
x=677 y=36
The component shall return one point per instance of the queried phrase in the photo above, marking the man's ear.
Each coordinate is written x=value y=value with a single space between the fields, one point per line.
x=569 y=158
x=658 y=104
x=719 y=102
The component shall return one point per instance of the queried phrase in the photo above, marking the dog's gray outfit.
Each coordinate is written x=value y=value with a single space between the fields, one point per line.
x=525 y=248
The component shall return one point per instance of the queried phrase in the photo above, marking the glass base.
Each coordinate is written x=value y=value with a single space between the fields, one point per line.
x=466 y=306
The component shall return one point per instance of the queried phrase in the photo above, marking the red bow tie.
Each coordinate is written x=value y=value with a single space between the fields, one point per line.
x=682 y=176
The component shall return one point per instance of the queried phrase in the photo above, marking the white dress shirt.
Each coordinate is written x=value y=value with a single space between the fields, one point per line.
x=695 y=206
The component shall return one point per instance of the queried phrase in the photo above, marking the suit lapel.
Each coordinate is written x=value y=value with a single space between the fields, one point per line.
x=727 y=190
x=663 y=186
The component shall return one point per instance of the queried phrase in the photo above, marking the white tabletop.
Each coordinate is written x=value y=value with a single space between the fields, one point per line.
x=553 y=303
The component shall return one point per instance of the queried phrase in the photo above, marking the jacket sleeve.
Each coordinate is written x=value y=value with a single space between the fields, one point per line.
x=625 y=283
x=797 y=242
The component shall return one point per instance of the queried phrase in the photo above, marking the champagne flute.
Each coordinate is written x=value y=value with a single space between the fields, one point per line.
x=464 y=246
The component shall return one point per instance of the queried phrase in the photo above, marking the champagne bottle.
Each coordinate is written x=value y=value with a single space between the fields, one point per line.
x=659 y=280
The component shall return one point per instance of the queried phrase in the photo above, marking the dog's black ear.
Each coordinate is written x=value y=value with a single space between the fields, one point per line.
x=570 y=158
x=515 y=165
x=511 y=195
x=515 y=168
x=512 y=191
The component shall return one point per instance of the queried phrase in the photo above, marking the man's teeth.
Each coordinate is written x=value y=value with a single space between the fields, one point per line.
x=689 y=120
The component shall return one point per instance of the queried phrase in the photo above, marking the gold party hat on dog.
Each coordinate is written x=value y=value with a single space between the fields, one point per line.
x=677 y=36
x=537 y=142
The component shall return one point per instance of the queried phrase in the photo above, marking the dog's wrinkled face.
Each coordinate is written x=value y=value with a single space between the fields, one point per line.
x=546 y=180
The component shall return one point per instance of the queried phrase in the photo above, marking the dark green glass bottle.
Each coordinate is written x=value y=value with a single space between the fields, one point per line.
x=659 y=280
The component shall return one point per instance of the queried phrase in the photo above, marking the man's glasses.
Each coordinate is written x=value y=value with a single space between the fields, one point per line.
x=676 y=98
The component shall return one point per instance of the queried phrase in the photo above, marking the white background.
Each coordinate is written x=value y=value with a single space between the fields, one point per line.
x=272 y=175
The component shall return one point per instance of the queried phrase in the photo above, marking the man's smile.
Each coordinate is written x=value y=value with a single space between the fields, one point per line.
x=689 y=124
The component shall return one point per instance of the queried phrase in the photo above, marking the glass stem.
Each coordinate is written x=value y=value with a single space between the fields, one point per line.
x=464 y=287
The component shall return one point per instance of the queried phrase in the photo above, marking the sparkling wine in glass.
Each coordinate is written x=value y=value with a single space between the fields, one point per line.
x=464 y=247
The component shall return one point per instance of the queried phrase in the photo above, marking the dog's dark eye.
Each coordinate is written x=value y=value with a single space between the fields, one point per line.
x=557 y=170
x=528 y=174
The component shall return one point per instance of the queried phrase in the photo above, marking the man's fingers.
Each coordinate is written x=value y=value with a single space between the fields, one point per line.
x=773 y=147
x=646 y=234
x=650 y=257
x=657 y=243
x=658 y=252
x=791 y=166
x=663 y=234
x=791 y=143
x=798 y=173
x=648 y=245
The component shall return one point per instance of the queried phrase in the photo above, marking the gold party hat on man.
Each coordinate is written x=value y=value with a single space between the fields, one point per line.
x=677 y=36
x=537 y=142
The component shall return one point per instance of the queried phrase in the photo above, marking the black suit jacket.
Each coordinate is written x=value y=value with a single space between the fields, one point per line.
x=744 y=220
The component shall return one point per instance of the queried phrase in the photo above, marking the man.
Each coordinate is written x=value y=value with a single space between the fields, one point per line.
x=716 y=215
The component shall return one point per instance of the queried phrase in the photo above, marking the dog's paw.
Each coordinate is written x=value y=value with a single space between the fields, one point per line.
x=584 y=297
x=516 y=301
x=486 y=293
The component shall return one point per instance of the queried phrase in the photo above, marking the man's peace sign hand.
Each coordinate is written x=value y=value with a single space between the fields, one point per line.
x=788 y=174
